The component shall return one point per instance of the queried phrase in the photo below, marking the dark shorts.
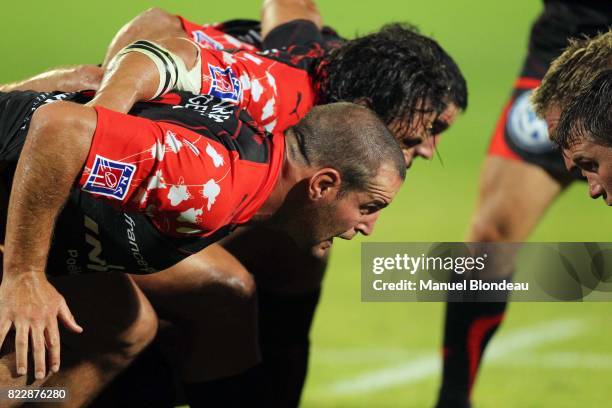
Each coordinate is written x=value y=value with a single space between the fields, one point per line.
x=90 y=235
x=519 y=133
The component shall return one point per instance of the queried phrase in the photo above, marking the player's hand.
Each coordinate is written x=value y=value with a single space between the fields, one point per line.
x=30 y=304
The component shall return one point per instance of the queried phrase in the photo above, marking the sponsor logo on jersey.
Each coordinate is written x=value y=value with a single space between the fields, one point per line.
x=201 y=38
x=110 y=178
x=96 y=261
x=525 y=129
x=224 y=84
x=143 y=265
x=210 y=107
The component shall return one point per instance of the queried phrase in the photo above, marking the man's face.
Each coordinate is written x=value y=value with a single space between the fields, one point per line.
x=350 y=213
x=420 y=137
x=594 y=160
x=595 y=163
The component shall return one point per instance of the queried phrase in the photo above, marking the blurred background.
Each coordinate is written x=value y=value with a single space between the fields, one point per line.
x=386 y=355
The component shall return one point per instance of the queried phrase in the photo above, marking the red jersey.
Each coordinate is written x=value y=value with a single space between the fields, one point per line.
x=195 y=167
x=216 y=36
x=275 y=86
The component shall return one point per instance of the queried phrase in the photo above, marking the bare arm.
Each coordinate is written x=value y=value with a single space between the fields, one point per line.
x=151 y=24
x=277 y=12
x=53 y=156
x=67 y=79
x=135 y=77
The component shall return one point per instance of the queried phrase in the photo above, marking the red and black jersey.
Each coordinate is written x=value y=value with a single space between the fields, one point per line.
x=194 y=166
x=158 y=186
x=246 y=34
x=520 y=135
x=274 y=86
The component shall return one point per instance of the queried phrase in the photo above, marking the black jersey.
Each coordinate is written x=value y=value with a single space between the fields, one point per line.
x=561 y=20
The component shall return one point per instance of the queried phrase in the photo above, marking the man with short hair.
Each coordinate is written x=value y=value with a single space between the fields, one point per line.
x=160 y=185
x=585 y=135
x=574 y=99
x=431 y=94
x=522 y=176
x=424 y=105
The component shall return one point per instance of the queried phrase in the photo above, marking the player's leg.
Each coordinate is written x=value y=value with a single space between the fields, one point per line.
x=514 y=195
x=115 y=332
x=288 y=285
x=210 y=298
x=151 y=24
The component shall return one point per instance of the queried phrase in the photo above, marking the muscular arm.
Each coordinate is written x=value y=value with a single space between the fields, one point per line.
x=67 y=79
x=53 y=156
x=151 y=24
x=277 y=12
x=134 y=77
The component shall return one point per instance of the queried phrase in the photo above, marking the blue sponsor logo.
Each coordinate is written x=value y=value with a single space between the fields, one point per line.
x=203 y=39
x=527 y=130
x=110 y=178
x=225 y=85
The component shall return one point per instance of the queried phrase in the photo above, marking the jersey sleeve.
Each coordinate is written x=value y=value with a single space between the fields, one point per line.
x=173 y=174
x=121 y=157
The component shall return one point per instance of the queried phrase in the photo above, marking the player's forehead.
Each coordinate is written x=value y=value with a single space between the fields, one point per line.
x=585 y=147
x=422 y=119
x=385 y=184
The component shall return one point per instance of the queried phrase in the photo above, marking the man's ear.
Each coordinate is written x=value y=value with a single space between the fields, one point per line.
x=324 y=184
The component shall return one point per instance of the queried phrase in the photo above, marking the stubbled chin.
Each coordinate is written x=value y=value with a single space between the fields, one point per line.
x=321 y=250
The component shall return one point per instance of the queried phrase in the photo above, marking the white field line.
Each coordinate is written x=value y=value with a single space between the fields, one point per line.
x=564 y=360
x=364 y=355
x=429 y=364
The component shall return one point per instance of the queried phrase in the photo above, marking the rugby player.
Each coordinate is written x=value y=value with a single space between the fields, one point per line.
x=585 y=135
x=289 y=283
x=426 y=74
x=172 y=180
x=521 y=177
x=573 y=99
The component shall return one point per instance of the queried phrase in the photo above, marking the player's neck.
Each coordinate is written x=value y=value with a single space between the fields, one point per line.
x=291 y=173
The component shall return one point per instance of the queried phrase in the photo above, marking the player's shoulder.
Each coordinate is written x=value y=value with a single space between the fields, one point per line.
x=212 y=118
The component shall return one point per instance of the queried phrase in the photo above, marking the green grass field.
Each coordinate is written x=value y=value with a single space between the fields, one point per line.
x=385 y=355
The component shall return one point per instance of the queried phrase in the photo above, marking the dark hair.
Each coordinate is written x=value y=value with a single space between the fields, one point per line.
x=350 y=139
x=589 y=115
x=396 y=69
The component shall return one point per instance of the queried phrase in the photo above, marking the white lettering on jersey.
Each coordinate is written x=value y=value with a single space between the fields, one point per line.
x=92 y=238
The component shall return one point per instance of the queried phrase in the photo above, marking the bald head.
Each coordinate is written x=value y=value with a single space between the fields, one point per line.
x=348 y=138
